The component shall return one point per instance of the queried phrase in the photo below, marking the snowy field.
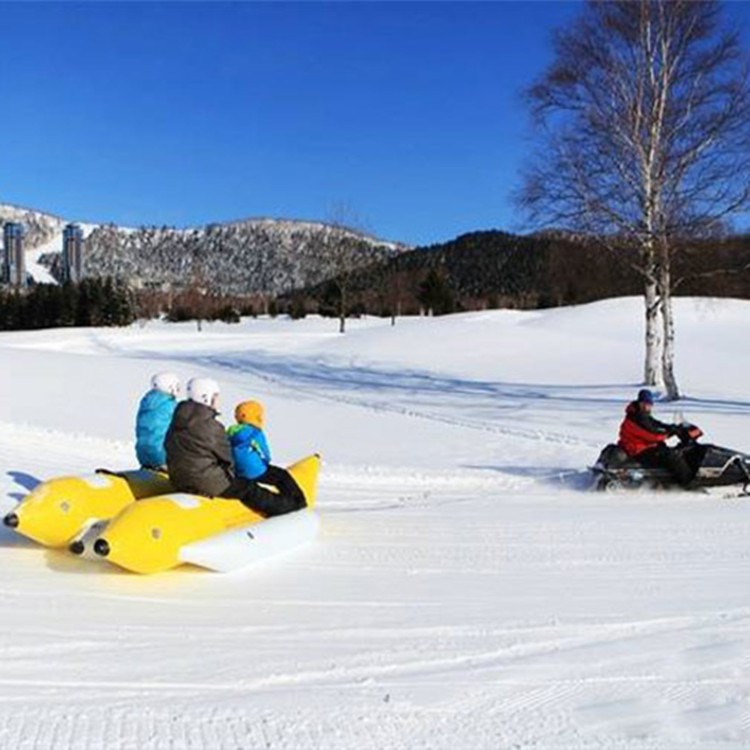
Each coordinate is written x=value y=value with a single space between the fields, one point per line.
x=466 y=591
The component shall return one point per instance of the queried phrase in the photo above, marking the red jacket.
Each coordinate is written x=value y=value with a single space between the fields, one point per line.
x=640 y=431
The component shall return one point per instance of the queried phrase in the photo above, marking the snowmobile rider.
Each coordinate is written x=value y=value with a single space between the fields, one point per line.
x=644 y=438
x=251 y=454
x=154 y=416
x=199 y=456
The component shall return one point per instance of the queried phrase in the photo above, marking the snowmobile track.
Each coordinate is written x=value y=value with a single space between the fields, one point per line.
x=318 y=394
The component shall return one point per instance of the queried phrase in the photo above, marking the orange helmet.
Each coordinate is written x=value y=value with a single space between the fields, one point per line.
x=250 y=412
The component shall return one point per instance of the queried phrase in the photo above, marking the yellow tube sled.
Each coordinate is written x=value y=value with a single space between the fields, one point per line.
x=148 y=537
x=59 y=511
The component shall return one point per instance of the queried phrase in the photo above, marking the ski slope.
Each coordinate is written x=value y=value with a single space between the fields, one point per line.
x=466 y=590
x=41 y=273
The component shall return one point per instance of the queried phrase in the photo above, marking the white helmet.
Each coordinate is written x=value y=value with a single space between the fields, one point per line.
x=166 y=382
x=202 y=390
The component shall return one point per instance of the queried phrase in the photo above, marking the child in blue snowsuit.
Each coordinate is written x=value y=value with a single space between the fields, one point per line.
x=251 y=454
x=154 y=417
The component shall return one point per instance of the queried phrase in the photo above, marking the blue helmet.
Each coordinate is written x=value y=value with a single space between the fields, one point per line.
x=645 y=396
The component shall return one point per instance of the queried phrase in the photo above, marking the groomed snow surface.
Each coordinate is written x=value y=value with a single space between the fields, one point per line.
x=466 y=591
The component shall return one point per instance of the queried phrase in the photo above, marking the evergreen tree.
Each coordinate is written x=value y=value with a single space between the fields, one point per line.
x=83 y=317
x=298 y=307
x=435 y=293
x=68 y=304
x=92 y=302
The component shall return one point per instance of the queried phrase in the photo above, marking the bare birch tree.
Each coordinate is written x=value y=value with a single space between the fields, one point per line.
x=644 y=125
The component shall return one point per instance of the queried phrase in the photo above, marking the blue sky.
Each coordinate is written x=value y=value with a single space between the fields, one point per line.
x=181 y=114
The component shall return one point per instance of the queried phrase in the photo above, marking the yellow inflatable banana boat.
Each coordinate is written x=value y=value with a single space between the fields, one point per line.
x=58 y=512
x=153 y=535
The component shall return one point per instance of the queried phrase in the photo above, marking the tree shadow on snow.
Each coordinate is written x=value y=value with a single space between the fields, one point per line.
x=24 y=480
x=8 y=537
x=345 y=381
x=27 y=481
x=353 y=378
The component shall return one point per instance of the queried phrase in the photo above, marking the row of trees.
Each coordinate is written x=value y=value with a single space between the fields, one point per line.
x=434 y=295
x=644 y=142
x=92 y=302
x=492 y=269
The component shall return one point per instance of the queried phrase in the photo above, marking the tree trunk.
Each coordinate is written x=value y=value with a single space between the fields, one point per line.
x=667 y=314
x=652 y=373
x=342 y=310
x=670 y=379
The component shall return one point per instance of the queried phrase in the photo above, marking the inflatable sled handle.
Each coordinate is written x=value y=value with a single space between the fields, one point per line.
x=110 y=473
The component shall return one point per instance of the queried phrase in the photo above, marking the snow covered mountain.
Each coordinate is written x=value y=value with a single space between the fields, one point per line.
x=43 y=234
x=267 y=256
x=243 y=257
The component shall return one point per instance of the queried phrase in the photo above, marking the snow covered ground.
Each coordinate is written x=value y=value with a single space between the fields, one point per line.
x=466 y=590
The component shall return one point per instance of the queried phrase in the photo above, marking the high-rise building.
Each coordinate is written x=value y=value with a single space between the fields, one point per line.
x=72 y=253
x=14 y=260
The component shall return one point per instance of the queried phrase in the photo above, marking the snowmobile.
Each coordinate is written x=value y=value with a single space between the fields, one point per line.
x=713 y=466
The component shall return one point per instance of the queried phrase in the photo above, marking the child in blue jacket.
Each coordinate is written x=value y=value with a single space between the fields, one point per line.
x=154 y=417
x=251 y=454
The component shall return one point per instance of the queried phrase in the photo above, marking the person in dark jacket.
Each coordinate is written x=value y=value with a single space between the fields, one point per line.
x=644 y=438
x=199 y=456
